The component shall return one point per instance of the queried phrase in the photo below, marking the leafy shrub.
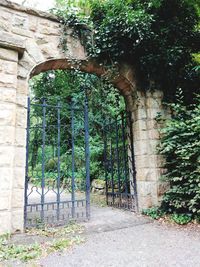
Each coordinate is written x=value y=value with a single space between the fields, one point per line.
x=180 y=145
x=154 y=213
x=181 y=218
x=153 y=35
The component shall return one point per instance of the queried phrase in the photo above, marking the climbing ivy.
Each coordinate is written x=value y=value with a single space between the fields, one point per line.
x=180 y=145
x=158 y=37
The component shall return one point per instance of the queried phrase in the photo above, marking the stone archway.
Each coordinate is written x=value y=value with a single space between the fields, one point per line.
x=30 y=44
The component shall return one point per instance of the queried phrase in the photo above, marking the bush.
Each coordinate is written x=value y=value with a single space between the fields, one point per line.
x=154 y=213
x=180 y=145
x=181 y=218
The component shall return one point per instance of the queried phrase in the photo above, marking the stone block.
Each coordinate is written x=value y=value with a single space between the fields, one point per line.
x=21 y=117
x=19 y=178
x=5 y=26
x=22 y=86
x=25 y=66
x=142 y=147
x=48 y=30
x=20 y=157
x=8 y=80
x=154 y=134
x=12 y=41
x=17 y=199
x=140 y=135
x=140 y=125
x=147 y=188
x=21 y=100
x=34 y=51
x=21 y=21
x=20 y=137
x=5 y=219
x=5 y=14
x=22 y=32
x=8 y=95
x=7 y=135
x=49 y=50
x=148 y=174
x=141 y=113
x=152 y=124
x=33 y=23
x=17 y=220
x=146 y=161
x=6 y=175
x=8 y=67
x=7 y=114
x=5 y=200
x=147 y=194
x=6 y=156
x=153 y=103
x=8 y=55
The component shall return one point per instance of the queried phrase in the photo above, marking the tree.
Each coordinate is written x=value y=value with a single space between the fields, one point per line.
x=157 y=37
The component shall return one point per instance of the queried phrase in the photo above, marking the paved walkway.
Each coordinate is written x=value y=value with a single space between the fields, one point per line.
x=116 y=238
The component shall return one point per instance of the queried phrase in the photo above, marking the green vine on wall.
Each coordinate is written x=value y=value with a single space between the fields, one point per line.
x=158 y=37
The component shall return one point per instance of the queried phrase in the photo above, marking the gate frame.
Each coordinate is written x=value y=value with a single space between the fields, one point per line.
x=125 y=123
x=87 y=162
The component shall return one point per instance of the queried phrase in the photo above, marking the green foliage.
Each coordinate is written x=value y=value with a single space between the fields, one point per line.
x=59 y=239
x=21 y=252
x=158 y=37
x=180 y=146
x=181 y=218
x=154 y=213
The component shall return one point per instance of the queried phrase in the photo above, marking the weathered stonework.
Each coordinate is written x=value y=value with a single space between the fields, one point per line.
x=30 y=44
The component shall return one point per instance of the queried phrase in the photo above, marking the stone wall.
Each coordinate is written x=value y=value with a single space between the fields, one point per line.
x=29 y=44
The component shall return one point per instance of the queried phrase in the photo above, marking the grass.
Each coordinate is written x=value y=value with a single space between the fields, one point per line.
x=63 y=238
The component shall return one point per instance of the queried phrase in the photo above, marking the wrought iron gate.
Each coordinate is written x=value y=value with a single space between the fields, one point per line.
x=53 y=192
x=120 y=175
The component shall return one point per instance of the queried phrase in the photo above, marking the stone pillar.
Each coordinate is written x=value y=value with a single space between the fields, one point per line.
x=8 y=87
x=149 y=164
x=17 y=219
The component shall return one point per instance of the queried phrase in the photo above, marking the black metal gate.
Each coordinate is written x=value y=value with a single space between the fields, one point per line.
x=53 y=192
x=120 y=175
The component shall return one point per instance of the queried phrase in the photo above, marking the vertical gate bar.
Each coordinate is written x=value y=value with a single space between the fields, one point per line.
x=58 y=154
x=27 y=157
x=105 y=161
x=133 y=160
x=73 y=162
x=111 y=169
x=124 y=152
x=87 y=156
x=43 y=157
x=118 y=162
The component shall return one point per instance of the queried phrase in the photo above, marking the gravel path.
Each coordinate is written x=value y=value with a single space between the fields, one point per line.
x=115 y=238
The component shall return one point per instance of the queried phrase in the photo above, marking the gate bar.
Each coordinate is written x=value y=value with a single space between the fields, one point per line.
x=43 y=157
x=73 y=162
x=105 y=162
x=87 y=156
x=133 y=161
x=58 y=166
x=124 y=152
x=27 y=157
